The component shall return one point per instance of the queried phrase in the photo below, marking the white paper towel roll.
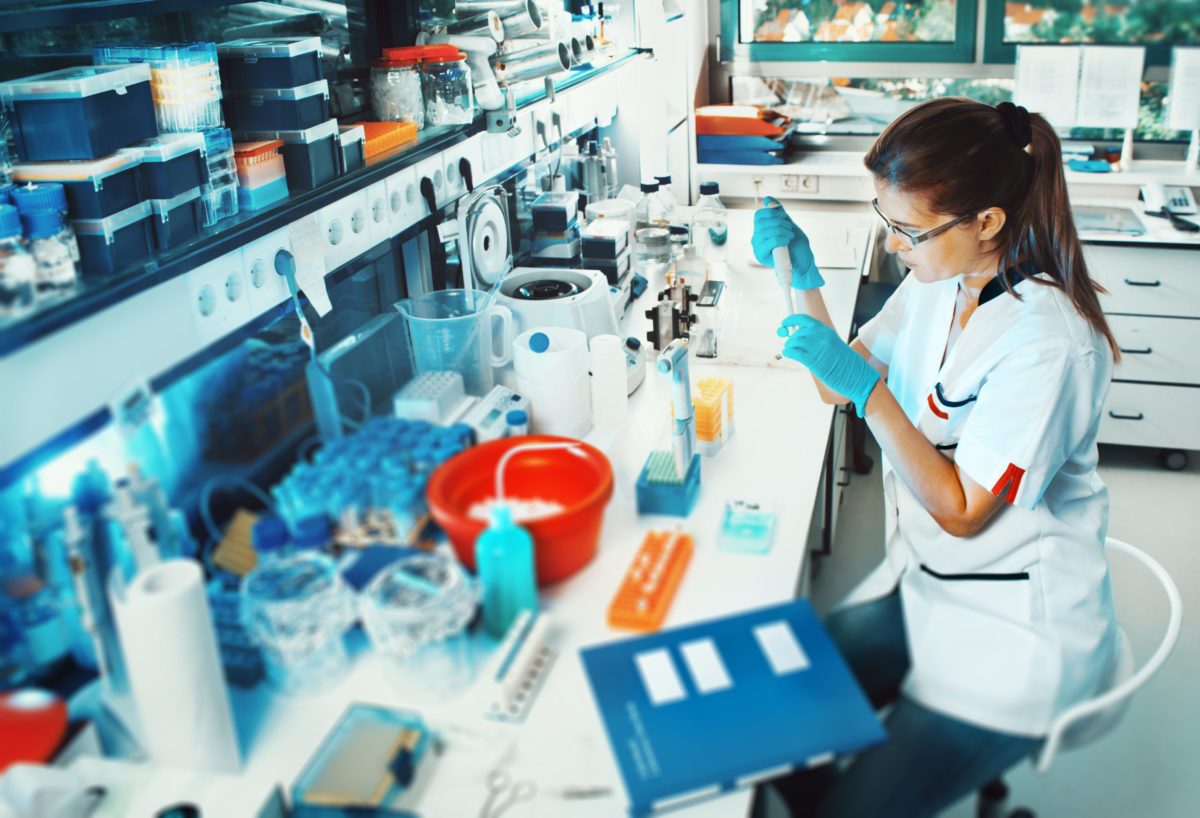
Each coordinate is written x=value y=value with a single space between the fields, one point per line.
x=175 y=668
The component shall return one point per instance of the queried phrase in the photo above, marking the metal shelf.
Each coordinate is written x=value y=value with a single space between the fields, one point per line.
x=18 y=15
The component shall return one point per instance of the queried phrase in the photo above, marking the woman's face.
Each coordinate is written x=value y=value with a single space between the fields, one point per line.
x=966 y=248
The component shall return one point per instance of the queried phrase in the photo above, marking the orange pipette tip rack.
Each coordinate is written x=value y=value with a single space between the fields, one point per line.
x=650 y=582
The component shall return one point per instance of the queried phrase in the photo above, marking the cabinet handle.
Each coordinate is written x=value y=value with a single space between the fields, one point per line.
x=1145 y=351
x=1115 y=416
x=1155 y=283
x=846 y=482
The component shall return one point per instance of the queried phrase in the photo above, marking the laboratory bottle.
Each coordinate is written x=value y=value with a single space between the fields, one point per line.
x=43 y=209
x=667 y=196
x=504 y=560
x=710 y=227
x=17 y=268
x=609 y=154
x=679 y=240
x=691 y=266
x=516 y=423
x=651 y=238
x=595 y=173
x=5 y=157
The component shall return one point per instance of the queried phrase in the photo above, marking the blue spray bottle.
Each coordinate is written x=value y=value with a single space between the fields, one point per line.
x=504 y=556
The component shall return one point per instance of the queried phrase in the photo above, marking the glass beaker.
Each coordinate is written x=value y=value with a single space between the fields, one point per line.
x=455 y=331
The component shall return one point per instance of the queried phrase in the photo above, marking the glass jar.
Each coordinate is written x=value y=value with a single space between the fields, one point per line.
x=17 y=268
x=396 y=91
x=43 y=209
x=446 y=86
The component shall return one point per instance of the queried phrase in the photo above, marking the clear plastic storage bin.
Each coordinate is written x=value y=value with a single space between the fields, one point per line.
x=80 y=113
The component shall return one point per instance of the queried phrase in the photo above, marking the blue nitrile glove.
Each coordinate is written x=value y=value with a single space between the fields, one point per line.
x=773 y=228
x=829 y=358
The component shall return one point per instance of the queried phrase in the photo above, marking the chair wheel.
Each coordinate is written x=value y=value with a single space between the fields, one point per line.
x=1022 y=812
x=863 y=463
x=1173 y=459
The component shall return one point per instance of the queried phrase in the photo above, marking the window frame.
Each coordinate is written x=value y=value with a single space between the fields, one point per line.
x=997 y=50
x=961 y=50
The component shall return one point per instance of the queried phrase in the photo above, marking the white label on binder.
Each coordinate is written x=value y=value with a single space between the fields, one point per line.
x=779 y=644
x=659 y=676
x=705 y=665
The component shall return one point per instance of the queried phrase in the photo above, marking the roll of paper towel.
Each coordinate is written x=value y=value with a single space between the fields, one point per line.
x=174 y=666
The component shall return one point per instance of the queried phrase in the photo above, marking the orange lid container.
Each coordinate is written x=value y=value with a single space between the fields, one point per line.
x=383 y=136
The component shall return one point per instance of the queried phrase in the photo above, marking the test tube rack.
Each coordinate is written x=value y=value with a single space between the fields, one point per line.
x=713 y=408
x=513 y=677
x=645 y=594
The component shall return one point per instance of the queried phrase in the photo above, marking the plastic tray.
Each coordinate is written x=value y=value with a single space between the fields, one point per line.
x=111 y=244
x=279 y=108
x=278 y=62
x=311 y=156
x=172 y=164
x=177 y=219
x=383 y=136
x=80 y=113
x=95 y=188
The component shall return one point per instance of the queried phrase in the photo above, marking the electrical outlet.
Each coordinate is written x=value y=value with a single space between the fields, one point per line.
x=433 y=169
x=808 y=184
x=379 y=214
x=218 y=297
x=267 y=287
x=344 y=227
x=795 y=183
x=403 y=200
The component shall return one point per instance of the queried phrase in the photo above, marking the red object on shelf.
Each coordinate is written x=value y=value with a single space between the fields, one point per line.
x=564 y=542
x=383 y=136
x=33 y=723
x=740 y=120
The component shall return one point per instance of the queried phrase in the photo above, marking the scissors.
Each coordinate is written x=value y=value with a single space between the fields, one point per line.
x=500 y=782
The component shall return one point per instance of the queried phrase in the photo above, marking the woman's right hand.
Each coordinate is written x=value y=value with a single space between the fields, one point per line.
x=773 y=228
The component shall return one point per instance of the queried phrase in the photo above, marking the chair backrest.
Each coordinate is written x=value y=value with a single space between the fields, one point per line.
x=1093 y=717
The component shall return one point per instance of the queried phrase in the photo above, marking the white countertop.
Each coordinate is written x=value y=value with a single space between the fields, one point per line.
x=776 y=454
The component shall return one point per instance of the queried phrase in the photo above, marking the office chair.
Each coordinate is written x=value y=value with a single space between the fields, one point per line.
x=1092 y=718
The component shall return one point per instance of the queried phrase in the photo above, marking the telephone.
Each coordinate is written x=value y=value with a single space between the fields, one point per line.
x=1169 y=202
x=1178 y=200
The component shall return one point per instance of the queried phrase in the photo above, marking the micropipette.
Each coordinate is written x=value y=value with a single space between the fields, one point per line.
x=783 y=274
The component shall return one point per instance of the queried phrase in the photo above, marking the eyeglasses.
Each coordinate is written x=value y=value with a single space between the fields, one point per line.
x=907 y=240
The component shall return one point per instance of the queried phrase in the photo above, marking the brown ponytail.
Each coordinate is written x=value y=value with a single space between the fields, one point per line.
x=966 y=156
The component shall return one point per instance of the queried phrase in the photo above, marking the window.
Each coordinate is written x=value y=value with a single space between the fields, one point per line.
x=1158 y=24
x=851 y=30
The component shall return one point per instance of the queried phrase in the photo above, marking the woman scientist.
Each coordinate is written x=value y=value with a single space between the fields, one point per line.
x=983 y=379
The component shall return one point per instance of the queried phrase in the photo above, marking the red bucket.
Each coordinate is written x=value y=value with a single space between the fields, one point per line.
x=581 y=480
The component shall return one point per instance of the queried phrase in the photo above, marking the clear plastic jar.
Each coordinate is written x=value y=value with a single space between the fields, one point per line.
x=43 y=209
x=446 y=86
x=17 y=268
x=396 y=91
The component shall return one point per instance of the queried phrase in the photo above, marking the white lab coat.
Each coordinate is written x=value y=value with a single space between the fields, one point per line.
x=1010 y=626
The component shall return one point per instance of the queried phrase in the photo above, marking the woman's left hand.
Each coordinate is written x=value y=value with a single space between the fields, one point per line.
x=829 y=358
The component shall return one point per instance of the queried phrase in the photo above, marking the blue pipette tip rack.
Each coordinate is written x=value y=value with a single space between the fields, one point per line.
x=659 y=489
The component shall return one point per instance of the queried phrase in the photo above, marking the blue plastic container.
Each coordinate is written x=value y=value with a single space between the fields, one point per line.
x=259 y=197
x=310 y=157
x=172 y=164
x=177 y=219
x=272 y=62
x=504 y=562
x=95 y=188
x=111 y=244
x=80 y=113
x=265 y=109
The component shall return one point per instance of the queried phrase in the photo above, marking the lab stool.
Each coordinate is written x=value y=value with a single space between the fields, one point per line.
x=872 y=295
x=1092 y=718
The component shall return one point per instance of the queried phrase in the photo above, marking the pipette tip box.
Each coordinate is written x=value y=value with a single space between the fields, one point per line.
x=263 y=109
x=310 y=155
x=661 y=491
x=172 y=164
x=271 y=62
x=177 y=219
x=353 y=142
x=257 y=198
x=80 y=113
x=95 y=188
x=109 y=244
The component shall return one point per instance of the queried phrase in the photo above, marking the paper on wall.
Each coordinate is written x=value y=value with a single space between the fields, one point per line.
x=1184 y=100
x=1047 y=82
x=1110 y=81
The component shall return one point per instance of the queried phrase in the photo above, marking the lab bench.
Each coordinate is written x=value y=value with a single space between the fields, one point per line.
x=777 y=454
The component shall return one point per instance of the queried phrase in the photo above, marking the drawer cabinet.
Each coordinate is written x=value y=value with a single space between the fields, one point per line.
x=1153 y=308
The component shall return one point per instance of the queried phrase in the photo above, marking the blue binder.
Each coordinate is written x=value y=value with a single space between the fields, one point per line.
x=694 y=711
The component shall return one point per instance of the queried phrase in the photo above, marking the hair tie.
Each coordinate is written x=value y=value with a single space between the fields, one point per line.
x=1016 y=123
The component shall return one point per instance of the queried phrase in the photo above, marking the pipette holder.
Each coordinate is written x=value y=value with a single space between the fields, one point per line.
x=661 y=491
